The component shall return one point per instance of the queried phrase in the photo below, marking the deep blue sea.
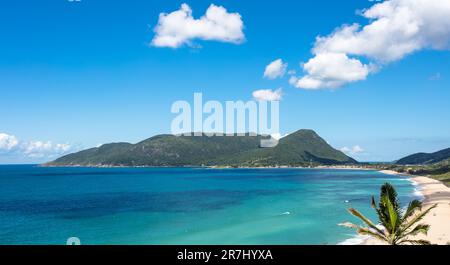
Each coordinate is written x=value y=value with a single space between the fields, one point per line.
x=184 y=205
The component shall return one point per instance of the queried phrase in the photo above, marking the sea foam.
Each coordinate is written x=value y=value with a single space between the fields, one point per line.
x=355 y=240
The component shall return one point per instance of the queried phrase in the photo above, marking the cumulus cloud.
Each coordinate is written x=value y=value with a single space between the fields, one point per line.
x=180 y=27
x=396 y=28
x=7 y=142
x=331 y=70
x=352 y=150
x=268 y=95
x=39 y=149
x=32 y=149
x=275 y=69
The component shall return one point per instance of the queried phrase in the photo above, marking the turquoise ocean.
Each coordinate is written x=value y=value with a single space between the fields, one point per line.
x=116 y=206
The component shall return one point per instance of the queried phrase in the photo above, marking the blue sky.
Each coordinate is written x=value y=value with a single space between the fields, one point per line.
x=75 y=75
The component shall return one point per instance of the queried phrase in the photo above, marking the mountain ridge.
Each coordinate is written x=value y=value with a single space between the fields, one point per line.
x=425 y=158
x=301 y=148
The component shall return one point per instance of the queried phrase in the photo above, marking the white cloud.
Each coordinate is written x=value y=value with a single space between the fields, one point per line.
x=345 y=150
x=39 y=149
x=8 y=142
x=32 y=149
x=396 y=28
x=357 y=149
x=331 y=70
x=180 y=27
x=275 y=69
x=353 y=150
x=268 y=95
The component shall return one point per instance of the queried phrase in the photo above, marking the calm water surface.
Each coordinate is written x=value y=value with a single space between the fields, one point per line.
x=184 y=205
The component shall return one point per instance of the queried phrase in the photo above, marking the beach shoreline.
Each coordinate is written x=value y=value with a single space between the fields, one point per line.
x=433 y=192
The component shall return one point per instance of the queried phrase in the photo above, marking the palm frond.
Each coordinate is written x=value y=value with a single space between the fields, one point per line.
x=390 y=209
x=399 y=226
x=417 y=218
x=373 y=204
x=389 y=191
x=419 y=229
x=367 y=232
x=365 y=220
x=393 y=215
x=415 y=242
x=413 y=206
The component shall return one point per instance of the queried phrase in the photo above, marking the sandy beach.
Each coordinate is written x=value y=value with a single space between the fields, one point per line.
x=434 y=192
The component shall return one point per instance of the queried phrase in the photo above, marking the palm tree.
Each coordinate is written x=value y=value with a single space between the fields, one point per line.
x=397 y=226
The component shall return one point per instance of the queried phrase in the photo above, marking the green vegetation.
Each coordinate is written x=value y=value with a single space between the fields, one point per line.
x=444 y=178
x=439 y=171
x=302 y=148
x=425 y=158
x=398 y=226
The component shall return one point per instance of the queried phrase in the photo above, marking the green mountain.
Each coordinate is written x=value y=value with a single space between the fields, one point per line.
x=425 y=158
x=302 y=148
